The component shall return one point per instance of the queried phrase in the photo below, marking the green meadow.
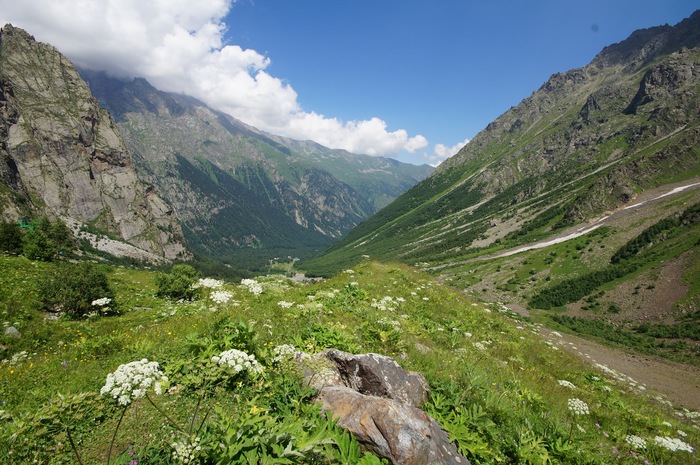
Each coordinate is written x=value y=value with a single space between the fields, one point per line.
x=503 y=393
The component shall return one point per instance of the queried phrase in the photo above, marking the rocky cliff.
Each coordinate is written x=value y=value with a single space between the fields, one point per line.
x=62 y=156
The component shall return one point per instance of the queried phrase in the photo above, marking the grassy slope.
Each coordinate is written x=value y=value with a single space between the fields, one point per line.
x=494 y=380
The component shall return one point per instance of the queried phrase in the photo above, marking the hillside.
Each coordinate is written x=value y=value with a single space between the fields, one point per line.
x=237 y=190
x=502 y=391
x=588 y=143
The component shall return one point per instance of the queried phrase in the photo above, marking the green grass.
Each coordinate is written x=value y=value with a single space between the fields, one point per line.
x=495 y=382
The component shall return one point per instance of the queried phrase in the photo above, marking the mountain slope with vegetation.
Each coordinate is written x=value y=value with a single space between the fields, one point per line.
x=237 y=190
x=587 y=152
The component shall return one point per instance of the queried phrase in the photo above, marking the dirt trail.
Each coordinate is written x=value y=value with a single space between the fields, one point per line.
x=678 y=383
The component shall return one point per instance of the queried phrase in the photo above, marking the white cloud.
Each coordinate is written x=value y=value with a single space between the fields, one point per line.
x=442 y=152
x=177 y=45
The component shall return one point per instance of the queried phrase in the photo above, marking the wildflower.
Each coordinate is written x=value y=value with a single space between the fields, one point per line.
x=238 y=360
x=673 y=444
x=283 y=352
x=578 y=407
x=565 y=383
x=186 y=452
x=221 y=297
x=101 y=302
x=209 y=283
x=285 y=304
x=132 y=380
x=636 y=442
x=253 y=286
x=479 y=346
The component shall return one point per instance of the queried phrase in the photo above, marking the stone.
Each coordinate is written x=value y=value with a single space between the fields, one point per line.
x=402 y=434
x=380 y=376
x=378 y=402
x=13 y=332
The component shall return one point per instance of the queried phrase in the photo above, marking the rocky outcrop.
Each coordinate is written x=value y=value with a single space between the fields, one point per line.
x=378 y=402
x=62 y=155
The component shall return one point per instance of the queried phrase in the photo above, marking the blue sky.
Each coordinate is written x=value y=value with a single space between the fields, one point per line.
x=401 y=78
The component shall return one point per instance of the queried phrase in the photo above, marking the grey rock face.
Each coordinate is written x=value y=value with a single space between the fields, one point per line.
x=377 y=401
x=60 y=149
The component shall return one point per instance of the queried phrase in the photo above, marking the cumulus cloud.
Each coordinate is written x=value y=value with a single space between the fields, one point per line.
x=177 y=45
x=442 y=152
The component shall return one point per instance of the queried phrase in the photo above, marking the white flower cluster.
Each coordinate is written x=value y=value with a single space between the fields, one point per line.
x=636 y=442
x=17 y=358
x=220 y=297
x=673 y=444
x=395 y=325
x=386 y=303
x=253 y=286
x=578 y=407
x=209 y=283
x=238 y=360
x=101 y=302
x=283 y=352
x=567 y=384
x=186 y=452
x=285 y=304
x=479 y=346
x=132 y=380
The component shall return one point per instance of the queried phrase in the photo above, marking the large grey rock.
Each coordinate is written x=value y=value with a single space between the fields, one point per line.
x=401 y=433
x=377 y=401
x=379 y=375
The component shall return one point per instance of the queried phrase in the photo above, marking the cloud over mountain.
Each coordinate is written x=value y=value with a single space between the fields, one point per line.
x=179 y=46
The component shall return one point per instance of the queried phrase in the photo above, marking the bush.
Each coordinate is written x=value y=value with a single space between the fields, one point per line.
x=177 y=284
x=10 y=238
x=72 y=288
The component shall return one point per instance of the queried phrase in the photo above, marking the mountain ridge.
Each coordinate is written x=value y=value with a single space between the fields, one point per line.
x=315 y=193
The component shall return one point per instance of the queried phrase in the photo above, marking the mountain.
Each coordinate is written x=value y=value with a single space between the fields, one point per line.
x=237 y=190
x=609 y=149
x=62 y=156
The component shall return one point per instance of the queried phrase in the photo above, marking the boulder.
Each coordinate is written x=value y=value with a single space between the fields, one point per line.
x=12 y=332
x=377 y=401
x=388 y=428
x=380 y=376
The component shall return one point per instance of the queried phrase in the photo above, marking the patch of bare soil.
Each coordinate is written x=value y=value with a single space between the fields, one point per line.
x=676 y=382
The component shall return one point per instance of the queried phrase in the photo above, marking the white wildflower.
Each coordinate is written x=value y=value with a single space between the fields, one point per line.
x=673 y=444
x=567 y=384
x=283 y=352
x=132 y=381
x=238 y=360
x=578 y=407
x=253 y=286
x=479 y=346
x=636 y=442
x=209 y=283
x=101 y=302
x=186 y=452
x=285 y=304
x=220 y=297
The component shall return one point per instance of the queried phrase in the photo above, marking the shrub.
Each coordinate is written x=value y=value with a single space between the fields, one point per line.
x=178 y=283
x=10 y=238
x=38 y=246
x=72 y=288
